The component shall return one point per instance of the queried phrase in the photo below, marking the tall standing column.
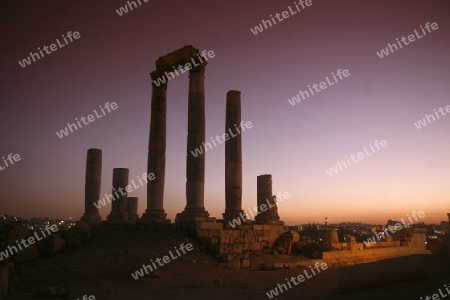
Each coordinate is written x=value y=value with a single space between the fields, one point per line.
x=92 y=186
x=156 y=154
x=119 y=204
x=195 y=164
x=267 y=205
x=233 y=158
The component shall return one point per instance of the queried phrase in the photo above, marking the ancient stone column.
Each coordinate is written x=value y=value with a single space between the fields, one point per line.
x=119 y=203
x=195 y=164
x=267 y=207
x=156 y=154
x=92 y=185
x=132 y=208
x=233 y=157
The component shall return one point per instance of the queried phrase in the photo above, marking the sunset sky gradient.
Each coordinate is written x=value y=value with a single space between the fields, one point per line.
x=111 y=61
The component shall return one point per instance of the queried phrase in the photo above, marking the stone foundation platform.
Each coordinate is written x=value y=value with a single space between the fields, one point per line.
x=232 y=247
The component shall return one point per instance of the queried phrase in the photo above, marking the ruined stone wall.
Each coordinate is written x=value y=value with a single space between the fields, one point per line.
x=233 y=246
x=408 y=243
x=414 y=239
x=356 y=246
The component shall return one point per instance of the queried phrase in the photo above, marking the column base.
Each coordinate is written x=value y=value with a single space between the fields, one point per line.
x=232 y=214
x=154 y=216
x=268 y=222
x=133 y=218
x=191 y=219
x=266 y=218
x=117 y=218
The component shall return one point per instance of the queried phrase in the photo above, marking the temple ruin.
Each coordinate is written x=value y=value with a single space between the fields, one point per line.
x=231 y=239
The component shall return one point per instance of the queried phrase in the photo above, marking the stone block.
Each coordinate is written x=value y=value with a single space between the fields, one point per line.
x=209 y=225
x=238 y=248
x=27 y=254
x=258 y=227
x=247 y=246
x=204 y=233
x=245 y=263
x=256 y=246
x=246 y=227
x=225 y=249
x=235 y=264
x=230 y=258
x=51 y=245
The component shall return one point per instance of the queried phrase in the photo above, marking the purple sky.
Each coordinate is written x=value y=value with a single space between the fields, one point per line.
x=111 y=61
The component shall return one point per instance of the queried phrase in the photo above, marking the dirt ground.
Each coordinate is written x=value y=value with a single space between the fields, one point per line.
x=103 y=268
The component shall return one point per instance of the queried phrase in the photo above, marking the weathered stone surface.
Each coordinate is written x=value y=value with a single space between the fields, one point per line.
x=132 y=208
x=73 y=238
x=295 y=236
x=283 y=245
x=195 y=164
x=209 y=225
x=413 y=243
x=77 y=236
x=16 y=234
x=233 y=247
x=4 y=281
x=92 y=186
x=233 y=158
x=330 y=241
x=7 y=279
x=51 y=245
x=267 y=207
x=281 y=250
x=27 y=254
x=175 y=58
x=118 y=208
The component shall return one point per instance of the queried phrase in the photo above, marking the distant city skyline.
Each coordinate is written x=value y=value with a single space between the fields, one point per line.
x=319 y=223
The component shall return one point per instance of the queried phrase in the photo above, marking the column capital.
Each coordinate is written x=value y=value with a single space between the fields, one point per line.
x=158 y=80
x=198 y=68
